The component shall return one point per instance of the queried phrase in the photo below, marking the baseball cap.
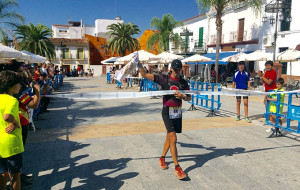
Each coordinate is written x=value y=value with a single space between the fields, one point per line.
x=176 y=64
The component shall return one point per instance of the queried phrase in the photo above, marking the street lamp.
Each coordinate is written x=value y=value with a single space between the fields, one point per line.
x=277 y=6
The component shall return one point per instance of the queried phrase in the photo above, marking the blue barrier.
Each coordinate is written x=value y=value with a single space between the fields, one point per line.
x=119 y=84
x=108 y=77
x=292 y=114
x=149 y=85
x=212 y=102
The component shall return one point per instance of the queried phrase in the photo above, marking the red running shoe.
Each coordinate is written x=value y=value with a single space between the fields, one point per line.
x=162 y=163
x=179 y=173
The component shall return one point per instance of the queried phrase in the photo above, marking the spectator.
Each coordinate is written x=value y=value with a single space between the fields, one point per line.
x=11 y=138
x=273 y=97
x=241 y=80
x=268 y=78
x=79 y=70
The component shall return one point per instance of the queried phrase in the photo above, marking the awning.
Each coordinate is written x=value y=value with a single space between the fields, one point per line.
x=222 y=55
x=110 y=60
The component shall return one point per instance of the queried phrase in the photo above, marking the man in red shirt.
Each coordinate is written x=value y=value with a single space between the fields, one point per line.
x=268 y=78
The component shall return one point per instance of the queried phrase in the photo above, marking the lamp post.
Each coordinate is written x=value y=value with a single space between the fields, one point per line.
x=277 y=6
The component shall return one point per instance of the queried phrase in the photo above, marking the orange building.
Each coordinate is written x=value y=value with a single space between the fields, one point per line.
x=143 y=41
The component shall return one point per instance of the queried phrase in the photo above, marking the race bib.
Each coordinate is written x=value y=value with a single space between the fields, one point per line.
x=175 y=112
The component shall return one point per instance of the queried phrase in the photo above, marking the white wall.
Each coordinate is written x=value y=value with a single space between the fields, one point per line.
x=97 y=69
x=101 y=25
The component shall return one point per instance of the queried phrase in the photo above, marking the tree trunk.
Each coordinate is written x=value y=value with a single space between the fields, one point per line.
x=219 y=28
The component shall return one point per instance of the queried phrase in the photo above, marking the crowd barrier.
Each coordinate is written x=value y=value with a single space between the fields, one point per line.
x=212 y=102
x=149 y=85
x=292 y=115
x=60 y=79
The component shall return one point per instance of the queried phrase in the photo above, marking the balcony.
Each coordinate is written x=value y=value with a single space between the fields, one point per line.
x=234 y=38
x=200 y=47
x=80 y=57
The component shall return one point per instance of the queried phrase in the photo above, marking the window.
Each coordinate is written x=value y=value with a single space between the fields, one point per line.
x=66 y=53
x=63 y=31
x=285 y=25
x=284 y=64
x=241 y=30
x=80 y=53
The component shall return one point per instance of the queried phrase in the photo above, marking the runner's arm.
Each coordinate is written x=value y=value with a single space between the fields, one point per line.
x=186 y=97
x=233 y=84
x=268 y=81
x=144 y=74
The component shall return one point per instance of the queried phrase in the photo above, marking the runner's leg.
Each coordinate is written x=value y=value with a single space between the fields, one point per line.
x=173 y=148
x=246 y=107
x=166 y=146
x=3 y=179
x=238 y=107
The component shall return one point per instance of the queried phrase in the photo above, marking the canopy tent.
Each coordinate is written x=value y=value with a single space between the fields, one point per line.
x=258 y=55
x=235 y=58
x=35 y=58
x=144 y=56
x=109 y=60
x=166 y=57
x=196 y=58
x=7 y=52
x=289 y=55
x=212 y=56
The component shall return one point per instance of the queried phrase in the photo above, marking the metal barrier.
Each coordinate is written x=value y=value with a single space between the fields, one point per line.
x=212 y=102
x=149 y=85
x=55 y=81
x=292 y=114
x=108 y=77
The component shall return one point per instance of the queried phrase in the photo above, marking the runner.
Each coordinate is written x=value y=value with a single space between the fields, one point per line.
x=171 y=112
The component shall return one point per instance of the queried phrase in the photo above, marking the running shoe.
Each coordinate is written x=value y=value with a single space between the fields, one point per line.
x=238 y=118
x=179 y=173
x=162 y=163
x=248 y=120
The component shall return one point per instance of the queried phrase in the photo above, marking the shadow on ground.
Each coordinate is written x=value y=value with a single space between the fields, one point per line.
x=54 y=168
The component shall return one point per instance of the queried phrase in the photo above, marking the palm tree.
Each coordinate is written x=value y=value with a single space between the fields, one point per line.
x=165 y=27
x=219 y=6
x=35 y=40
x=8 y=17
x=121 y=38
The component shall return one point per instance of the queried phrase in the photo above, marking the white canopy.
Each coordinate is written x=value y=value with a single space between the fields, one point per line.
x=7 y=52
x=258 y=55
x=109 y=61
x=144 y=56
x=289 y=55
x=235 y=58
x=35 y=58
x=196 y=58
x=166 y=57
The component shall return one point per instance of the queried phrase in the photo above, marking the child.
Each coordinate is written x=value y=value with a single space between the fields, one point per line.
x=273 y=97
x=11 y=144
x=241 y=80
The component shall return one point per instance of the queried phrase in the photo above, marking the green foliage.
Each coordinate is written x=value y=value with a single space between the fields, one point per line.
x=35 y=40
x=121 y=38
x=165 y=27
x=8 y=17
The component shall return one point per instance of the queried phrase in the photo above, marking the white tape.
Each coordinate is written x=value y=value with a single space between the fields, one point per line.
x=124 y=95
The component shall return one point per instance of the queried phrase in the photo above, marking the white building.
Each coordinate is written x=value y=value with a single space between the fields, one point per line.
x=244 y=30
x=73 y=48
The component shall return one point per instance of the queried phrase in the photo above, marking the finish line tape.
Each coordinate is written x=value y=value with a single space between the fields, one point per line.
x=127 y=95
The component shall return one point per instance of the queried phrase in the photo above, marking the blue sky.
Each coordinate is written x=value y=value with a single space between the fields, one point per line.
x=139 y=12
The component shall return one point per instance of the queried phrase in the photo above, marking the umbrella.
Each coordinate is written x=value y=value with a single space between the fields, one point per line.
x=7 y=52
x=166 y=57
x=289 y=56
x=258 y=55
x=35 y=58
x=235 y=58
x=196 y=58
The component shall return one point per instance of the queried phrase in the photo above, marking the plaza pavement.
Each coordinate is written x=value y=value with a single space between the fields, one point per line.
x=115 y=144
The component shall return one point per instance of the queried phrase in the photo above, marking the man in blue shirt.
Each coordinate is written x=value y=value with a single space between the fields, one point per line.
x=241 y=80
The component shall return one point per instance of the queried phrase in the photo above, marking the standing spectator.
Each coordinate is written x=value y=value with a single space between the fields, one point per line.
x=11 y=145
x=37 y=73
x=268 y=78
x=241 y=80
x=28 y=98
x=78 y=71
x=74 y=71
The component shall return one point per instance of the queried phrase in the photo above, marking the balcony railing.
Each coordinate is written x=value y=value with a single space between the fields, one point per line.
x=213 y=39
x=234 y=37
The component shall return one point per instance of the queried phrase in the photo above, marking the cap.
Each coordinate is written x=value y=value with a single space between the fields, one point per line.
x=176 y=64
